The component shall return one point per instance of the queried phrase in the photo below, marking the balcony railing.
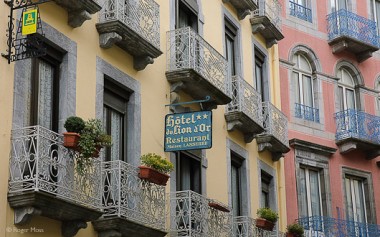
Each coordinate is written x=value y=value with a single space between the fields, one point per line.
x=271 y=9
x=197 y=64
x=306 y=112
x=191 y=215
x=245 y=109
x=244 y=226
x=319 y=226
x=143 y=16
x=131 y=198
x=188 y=50
x=134 y=26
x=356 y=124
x=40 y=163
x=358 y=33
x=300 y=11
x=275 y=123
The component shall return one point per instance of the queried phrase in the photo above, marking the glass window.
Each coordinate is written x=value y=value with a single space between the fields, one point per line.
x=230 y=43
x=355 y=199
x=376 y=13
x=260 y=75
x=346 y=91
x=266 y=180
x=188 y=172
x=236 y=186
x=310 y=193
x=115 y=121
x=187 y=14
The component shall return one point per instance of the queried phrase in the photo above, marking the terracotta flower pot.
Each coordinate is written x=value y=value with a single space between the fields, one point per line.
x=264 y=224
x=292 y=235
x=70 y=140
x=97 y=151
x=153 y=175
x=219 y=207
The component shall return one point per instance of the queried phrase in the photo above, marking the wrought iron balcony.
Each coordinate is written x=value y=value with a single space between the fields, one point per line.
x=244 y=112
x=243 y=7
x=79 y=10
x=357 y=130
x=191 y=215
x=320 y=226
x=244 y=226
x=353 y=33
x=131 y=206
x=266 y=20
x=300 y=11
x=195 y=67
x=44 y=181
x=306 y=112
x=275 y=136
x=134 y=26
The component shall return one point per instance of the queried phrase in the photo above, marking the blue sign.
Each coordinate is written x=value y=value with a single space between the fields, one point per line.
x=188 y=131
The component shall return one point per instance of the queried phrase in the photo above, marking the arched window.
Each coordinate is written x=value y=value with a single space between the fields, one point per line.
x=303 y=89
x=346 y=90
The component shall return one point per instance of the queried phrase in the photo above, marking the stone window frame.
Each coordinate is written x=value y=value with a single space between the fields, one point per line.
x=245 y=176
x=264 y=167
x=67 y=75
x=199 y=11
x=316 y=67
x=365 y=176
x=105 y=69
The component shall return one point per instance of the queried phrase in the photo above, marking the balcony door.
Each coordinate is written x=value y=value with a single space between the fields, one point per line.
x=376 y=14
x=188 y=172
x=187 y=14
x=355 y=200
x=346 y=91
x=336 y=5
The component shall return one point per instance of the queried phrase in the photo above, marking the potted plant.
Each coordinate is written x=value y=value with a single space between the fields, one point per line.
x=74 y=126
x=267 y=218
x=155 y=169
x=295 y=230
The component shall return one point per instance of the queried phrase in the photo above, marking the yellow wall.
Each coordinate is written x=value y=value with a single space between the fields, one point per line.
x=155 y=93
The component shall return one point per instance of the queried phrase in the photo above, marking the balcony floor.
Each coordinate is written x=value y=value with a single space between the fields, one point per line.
x=360 y=49
x=371 y=149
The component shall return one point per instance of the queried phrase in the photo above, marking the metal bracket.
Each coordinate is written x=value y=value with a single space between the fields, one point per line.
x=208 y=98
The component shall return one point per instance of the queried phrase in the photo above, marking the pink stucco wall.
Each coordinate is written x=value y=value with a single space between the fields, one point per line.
x=314 y=36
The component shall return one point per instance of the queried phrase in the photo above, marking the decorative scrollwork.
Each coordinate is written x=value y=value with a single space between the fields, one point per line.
x=275 y=123
x=270 y=9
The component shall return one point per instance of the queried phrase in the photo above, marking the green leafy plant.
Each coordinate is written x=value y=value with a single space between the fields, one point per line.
x=156 y=162
x=296 y=229
x=74 y=124
x=92 y=139
x=267 y=214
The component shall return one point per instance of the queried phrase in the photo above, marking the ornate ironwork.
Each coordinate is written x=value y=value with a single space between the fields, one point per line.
x=275 y=122
x=270 y=9
x=19 y=46
x=300 y=11
x=307 y=112
x=320 y=226
x=345 y=23
x=353 y=123
x=143 y=16
x=188 y=50
x=40 y=162
x=245 y=99
x=126 y=195
x=244 y=226
x=191 y=215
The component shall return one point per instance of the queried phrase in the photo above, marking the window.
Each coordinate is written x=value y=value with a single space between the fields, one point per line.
x=301 y=9
x=303 y=86
x=310 y=192
x=230 y=44
x=236 y=186
x=187 y=14
x=377 y=88
x=115 y=120
x=188 y=172
x=376 y=13
x=265 y=189
x=260 y=79
x=355 y=199
x=346 y=91
x=339 y=4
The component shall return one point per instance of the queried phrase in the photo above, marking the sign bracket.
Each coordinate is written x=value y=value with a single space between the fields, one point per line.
x=208 y=98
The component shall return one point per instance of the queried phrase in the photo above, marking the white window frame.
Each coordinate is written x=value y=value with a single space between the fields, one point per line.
x=346 y=87
x=355 y=196
x=308 y=194
x=301 y=72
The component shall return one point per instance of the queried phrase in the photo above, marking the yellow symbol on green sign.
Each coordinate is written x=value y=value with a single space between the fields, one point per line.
x=29 y=22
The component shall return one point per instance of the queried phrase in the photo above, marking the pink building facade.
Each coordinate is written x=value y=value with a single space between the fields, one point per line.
x=330 y=92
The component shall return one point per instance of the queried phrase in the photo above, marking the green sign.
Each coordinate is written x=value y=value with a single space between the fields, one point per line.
x=188 y=131
x=29 y=22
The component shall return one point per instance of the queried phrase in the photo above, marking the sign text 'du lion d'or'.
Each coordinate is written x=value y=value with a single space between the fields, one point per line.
x=188 y=131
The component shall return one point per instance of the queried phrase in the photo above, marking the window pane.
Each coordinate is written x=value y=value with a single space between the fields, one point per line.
x=259 y=79
x=350 y=97
x=307 y=91
x=45 y=95
x=350 y=210
x=359 y=201
x=314 y=193
x=230 y=54
x=341 y=99
x=302 y=195
x=297 y=87
x=235 y=188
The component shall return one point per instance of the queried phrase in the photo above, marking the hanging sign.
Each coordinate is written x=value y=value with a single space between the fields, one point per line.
x=188 y=131
x=29 y=22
